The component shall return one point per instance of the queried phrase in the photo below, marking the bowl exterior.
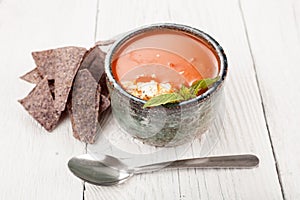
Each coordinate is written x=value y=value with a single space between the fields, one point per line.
x=167 y=125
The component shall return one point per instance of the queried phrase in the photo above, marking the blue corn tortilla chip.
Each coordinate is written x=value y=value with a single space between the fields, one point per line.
x=40 y=105
x=57 y=72
x=84 y=106
x=32 y=77
x=89 y=89
x=60 y=65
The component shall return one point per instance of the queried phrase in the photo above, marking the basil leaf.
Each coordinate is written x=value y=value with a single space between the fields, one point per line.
x=186 y=93
x=202 y=84
x=183 y=94
x=163 y=99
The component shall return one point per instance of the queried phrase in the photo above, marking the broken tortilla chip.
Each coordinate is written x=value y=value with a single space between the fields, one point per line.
x=61 y=66
x=40 y=105
x=32 y=77
x=104 y=88
x=105 y=103
x=94 y=62
x=84 y=109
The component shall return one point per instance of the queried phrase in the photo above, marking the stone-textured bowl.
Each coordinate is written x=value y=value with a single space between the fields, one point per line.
x=172 y=124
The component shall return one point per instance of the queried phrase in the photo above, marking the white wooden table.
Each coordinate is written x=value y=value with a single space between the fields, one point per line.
x=262 y=116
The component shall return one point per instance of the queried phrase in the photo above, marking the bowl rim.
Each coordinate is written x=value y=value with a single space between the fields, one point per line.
x=171 y=26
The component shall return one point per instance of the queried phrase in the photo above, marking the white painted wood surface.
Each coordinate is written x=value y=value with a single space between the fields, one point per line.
x=34 y=162
x=275 y=45
x=262 y=41
x=245 y=128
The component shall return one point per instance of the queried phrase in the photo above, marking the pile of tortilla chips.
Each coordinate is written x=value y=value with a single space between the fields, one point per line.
x=68 y=78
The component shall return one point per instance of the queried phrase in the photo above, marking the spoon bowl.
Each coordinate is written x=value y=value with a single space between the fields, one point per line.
x=107 y=171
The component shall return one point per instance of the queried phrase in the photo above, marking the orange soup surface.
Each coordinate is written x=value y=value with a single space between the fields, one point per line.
x=161 y=62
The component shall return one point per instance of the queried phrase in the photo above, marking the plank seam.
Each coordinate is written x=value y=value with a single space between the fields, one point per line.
x=96 y=21
x=220 y=185
x=205 y=185
x=95 y=37
x=296 y=21
x=83 y=183
x=261 y=99
x=83 y=193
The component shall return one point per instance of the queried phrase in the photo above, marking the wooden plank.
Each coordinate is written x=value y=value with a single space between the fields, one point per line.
x=34 y=162
x=244 y=129
x=276 y=57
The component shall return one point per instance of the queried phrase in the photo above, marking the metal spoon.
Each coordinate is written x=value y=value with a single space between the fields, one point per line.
x=109 y=170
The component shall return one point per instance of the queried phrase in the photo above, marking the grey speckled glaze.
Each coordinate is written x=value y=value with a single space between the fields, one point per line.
x=172 y=124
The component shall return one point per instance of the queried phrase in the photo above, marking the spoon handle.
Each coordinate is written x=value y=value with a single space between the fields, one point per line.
x=232 y=161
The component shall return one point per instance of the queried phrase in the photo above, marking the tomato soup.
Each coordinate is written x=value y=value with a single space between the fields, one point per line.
x=161 y=61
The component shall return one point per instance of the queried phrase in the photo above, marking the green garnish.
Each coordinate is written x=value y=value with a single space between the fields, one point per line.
x=186 y=93
x=163 y=99
x=183 y=94
x=202 y=84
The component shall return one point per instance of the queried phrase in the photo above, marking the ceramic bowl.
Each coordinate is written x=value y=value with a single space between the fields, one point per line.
x=171 y=124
